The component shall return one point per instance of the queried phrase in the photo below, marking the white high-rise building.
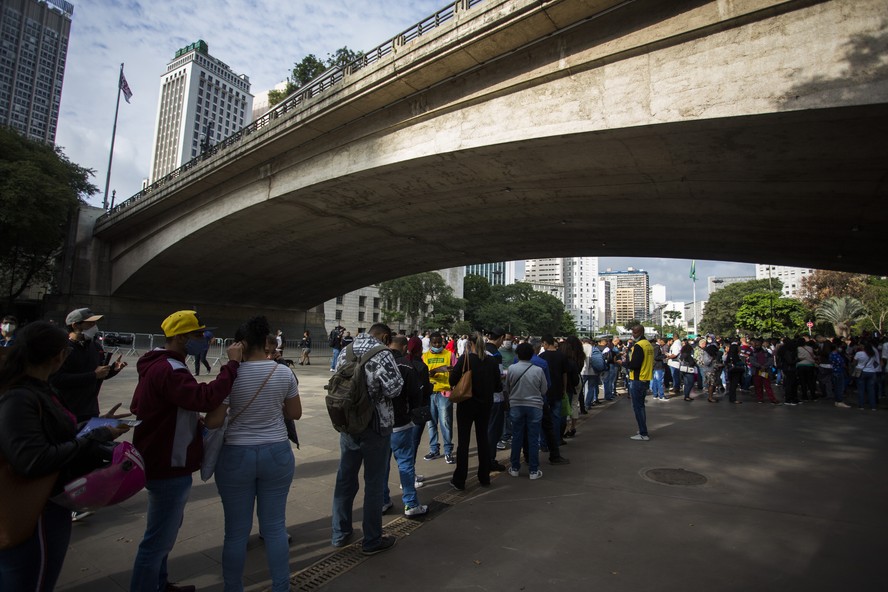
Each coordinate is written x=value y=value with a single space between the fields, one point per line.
x=202 y=102
x=500 y=273
x=790 y=276
x=574 y=280
x=581 y=292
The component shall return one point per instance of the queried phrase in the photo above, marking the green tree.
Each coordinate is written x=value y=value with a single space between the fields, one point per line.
x=874 y=297
x=671 y=324
x=476 y=293
x=719 y=316
x=309 y=68
x=420 y=298
x=40 y=191
x=841 y=312
x=461 y=328
x=769 y=315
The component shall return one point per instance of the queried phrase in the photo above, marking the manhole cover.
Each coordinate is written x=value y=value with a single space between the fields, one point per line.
x=675 y=477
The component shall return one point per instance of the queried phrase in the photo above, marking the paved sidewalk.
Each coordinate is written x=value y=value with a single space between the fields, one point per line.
x=793 y=500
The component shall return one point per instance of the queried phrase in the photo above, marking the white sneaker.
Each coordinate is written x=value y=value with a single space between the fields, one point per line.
x=536 y=475
x=75 y=516
x=416 y=510
x=417 y=483
x=843 y=405
x=513 y=472
x=640 y=437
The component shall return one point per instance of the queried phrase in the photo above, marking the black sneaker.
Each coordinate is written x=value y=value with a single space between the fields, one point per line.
x=497 y=466
x=559 y=460
x=457 y=487
x=448 y=458
x=385 y=543
x=432 y=456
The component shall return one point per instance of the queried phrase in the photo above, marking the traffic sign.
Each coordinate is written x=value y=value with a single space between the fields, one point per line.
x=810 y=324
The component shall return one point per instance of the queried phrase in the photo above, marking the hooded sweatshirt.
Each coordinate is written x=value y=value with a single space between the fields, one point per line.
x=167 y=400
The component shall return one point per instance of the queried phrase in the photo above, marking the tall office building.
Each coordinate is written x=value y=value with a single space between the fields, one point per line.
x=790 y=276
x=629 y=295
x=715 y=283
x=581 y=292
x=202 y=102
x=501 y=273
x=33 y=48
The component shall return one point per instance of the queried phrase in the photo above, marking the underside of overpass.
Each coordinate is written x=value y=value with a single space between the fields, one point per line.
x=797 y=184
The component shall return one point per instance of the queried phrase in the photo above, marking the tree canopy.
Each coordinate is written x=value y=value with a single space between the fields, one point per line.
x=309 y=68
x=40 y=189
x=767 y=314
x=719 y=316
x=423 y=300
x=825 y=284
x=517 y=308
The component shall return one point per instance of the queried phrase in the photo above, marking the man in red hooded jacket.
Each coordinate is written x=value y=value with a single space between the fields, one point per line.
x=168 y=400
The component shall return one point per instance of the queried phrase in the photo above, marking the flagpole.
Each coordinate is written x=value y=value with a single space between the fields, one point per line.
x=113 y=135
x=696 y=333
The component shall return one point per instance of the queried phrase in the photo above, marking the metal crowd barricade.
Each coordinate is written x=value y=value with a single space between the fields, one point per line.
x=217 y=351
x=142 y=343
x=131 y=351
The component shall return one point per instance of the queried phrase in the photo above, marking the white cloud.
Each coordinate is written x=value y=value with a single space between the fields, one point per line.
x=259 y=38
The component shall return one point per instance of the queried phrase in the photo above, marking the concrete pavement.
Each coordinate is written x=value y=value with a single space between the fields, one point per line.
x=793 y=499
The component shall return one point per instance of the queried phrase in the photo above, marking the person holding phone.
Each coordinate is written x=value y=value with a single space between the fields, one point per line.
x=81 y=375
x=80 y=378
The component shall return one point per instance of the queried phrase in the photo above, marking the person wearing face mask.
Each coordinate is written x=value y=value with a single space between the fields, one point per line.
x=80 y=378
x=168 y=400
x=7 y=331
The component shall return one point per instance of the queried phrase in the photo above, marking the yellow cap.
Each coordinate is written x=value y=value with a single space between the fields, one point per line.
x=181 y=322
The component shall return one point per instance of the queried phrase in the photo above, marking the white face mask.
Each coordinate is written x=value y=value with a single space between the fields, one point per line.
x=90 y=333
x=7 y=328
x=507 y=343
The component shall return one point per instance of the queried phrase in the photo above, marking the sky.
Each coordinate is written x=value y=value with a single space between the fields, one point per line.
x=259 y=38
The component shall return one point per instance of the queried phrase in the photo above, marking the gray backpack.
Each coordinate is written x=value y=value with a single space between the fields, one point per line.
x=348 y=402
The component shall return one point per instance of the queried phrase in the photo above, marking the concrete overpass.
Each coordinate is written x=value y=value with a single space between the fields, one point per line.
x=744 y=130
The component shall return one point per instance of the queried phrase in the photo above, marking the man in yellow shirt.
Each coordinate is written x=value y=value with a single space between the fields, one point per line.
x=641 y=370
x=439 y=361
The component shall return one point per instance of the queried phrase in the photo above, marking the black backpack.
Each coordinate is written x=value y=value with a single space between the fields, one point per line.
x=348 y=402
x=333 y=341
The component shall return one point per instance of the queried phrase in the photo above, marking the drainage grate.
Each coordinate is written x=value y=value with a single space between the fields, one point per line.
x=678 y=477
x=321 y=573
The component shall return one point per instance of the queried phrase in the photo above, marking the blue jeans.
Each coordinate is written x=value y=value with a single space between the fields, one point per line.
x=591 y=384
x=373 y=451
x=495 y=426
x=637 y=392
x=676 y=378
x=405 y=457
x=610 y=382
x=688 y=379
x=40 y=557
x=657 y=384
x=839 y=387
x=334 y=358
x=262 y=474
x=866 y=390
x=530 y=418
x=442 y=410
x=166 y=509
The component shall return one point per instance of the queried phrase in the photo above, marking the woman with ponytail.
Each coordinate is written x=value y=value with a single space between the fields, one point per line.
x=38 y=437
x=256 y=464
x=486 y=380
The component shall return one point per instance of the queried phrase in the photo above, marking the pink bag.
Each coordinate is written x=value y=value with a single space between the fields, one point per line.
x=109 y=485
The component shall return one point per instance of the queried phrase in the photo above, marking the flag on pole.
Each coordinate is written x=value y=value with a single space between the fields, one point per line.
x=693 y=274
x=124 y=87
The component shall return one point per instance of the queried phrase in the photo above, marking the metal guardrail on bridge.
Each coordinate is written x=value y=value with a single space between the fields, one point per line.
x=326 y=80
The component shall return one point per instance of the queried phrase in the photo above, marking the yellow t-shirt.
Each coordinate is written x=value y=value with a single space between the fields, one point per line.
x=441 y=381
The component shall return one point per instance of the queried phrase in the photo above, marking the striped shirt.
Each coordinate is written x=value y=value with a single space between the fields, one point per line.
x=263 y=421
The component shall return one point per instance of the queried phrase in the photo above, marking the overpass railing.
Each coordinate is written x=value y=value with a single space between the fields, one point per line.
x=313 y=88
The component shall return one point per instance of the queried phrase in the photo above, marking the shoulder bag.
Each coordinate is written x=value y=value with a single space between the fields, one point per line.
x=21 y=502
x=213 y=438
x=463 y=389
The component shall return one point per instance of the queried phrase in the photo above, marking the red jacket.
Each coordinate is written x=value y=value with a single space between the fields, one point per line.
x=167 y=400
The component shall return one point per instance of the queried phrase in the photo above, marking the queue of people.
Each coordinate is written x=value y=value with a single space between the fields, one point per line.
x=526 y=396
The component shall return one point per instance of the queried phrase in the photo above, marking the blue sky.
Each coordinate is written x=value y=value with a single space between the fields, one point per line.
x=259 y=38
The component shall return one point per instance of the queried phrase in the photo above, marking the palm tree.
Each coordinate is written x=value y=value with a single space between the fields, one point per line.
x=842 y=312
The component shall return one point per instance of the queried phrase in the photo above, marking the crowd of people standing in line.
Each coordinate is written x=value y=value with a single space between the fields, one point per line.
x=527 y=395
